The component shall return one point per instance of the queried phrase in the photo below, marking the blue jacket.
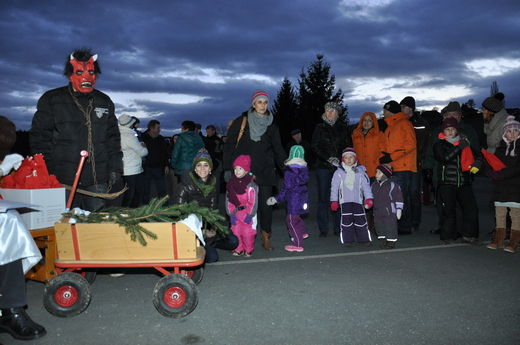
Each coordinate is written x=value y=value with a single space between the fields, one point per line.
x=186 y=148
x=294 y=190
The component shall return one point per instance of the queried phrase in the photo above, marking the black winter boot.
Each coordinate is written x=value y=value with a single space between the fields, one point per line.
x=19 y=325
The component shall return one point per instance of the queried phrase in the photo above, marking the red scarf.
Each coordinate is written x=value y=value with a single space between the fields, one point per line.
x=237 y=186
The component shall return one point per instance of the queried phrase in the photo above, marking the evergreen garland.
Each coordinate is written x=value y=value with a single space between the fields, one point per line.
x=154 y=212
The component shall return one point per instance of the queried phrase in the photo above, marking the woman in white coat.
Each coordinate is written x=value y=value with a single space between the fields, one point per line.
x=133 y=152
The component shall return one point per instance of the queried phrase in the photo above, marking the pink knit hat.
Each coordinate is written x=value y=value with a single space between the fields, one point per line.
x=243 y=161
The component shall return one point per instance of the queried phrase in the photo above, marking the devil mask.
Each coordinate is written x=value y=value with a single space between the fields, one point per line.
x=83 y=78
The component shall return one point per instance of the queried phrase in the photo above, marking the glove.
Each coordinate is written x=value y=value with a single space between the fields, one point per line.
x=473 y=170
x=227 y=175
x=369 y=203
x=334 y=206
x=333 y=160
x=233 y=219
x=495 y=175
x=385 y=159
x=11 y=161
x=271 y=201
x=248 y=219
x=463 y=143
x=113 y=177
x=399 y=213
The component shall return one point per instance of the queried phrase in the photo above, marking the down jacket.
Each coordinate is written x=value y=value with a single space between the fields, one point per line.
x=369 y=146
x=294 y=190
x=60 y=133
x=449 y=169
x=187 y=191
x=401 y=143
x=360 y=192
x=133 y=152
x=330 y=141
x=186 y=148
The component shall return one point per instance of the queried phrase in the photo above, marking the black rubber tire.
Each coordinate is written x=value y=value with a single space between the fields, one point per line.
x=175 y=295
x=195 y=274
x=89 y=274
x=67 y=294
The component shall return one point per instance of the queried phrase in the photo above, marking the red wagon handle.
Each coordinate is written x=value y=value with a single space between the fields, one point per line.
x=84 y=155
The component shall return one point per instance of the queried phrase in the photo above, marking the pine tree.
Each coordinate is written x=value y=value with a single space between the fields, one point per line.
x=316 y=88
x=285 y=110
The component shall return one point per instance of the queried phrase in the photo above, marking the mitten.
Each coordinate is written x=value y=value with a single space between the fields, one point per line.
x=495 y=175
x=385 y=159
x=271 y=201
x=399 y=213
x=333 y=161
x=233 y=219
x=11 y=161
x=113 y=177
x=248 y=219
x=334 y=206
x=369 y=203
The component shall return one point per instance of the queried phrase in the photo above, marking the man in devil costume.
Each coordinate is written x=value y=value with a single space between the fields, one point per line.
x=78 y=117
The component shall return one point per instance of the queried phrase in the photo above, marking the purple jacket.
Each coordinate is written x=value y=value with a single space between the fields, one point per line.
x=388 y=198
x=360 y=191
x=294 y=190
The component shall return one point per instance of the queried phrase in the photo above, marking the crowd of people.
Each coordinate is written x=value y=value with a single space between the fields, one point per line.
x=369 y=181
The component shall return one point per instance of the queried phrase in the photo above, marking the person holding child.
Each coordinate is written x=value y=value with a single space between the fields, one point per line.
x=242 y=205
x=350 y=190
x=456 y=161
x=295 y=193
x=506 y=187
x=388 y=205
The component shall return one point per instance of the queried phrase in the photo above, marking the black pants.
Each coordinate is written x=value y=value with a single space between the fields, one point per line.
x=265 y=212
x=449 y=196
x=12 y=285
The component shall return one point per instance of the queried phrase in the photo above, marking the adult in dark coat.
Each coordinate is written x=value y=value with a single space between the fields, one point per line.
x=328 y=141
x=199 y=185
x=78 y=117
x=259 y=139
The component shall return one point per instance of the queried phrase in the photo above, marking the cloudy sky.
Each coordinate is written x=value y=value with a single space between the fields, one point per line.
x=203 y=59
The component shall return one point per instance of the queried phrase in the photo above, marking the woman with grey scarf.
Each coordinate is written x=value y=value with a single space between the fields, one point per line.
x=256 y=134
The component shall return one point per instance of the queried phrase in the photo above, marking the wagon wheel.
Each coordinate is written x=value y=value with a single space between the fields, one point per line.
x=194 y=274
x=67 y=294
x=175 y=295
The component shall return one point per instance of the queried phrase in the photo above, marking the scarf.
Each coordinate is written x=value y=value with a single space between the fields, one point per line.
x=206 y=188
x=510 y=149
x=237 y=186
x=350 y=176
x=258 y=124
x=330 y=122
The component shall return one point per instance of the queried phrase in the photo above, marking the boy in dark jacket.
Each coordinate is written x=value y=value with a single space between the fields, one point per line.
x=294 y=192
x=456 y=161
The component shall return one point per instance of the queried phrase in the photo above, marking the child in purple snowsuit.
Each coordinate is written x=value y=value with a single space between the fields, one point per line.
x=388 y=205
x=350 y=189
x=294 y=192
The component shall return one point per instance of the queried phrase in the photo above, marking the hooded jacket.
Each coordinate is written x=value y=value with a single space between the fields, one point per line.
x=186 y=148
x=294 y=192
x=369 y=146
x=133 y=152
x=401 y=143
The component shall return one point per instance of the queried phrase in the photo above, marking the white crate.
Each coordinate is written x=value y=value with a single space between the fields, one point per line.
x=50 y=205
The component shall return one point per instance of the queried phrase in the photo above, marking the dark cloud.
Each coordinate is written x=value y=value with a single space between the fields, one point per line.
x=220 y=52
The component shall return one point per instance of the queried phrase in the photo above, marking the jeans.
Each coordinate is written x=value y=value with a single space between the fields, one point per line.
x=229 y=242
x=157 y=176
x=324 y=179
x=415 y=197
x=404 y=179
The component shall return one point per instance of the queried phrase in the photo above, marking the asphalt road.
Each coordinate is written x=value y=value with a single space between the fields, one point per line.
x=421 y=292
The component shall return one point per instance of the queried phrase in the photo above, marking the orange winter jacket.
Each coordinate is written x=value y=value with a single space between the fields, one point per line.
x=369 y=146
x=401 y=143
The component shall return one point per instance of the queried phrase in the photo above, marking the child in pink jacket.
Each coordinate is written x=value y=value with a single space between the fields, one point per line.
x=242 y=204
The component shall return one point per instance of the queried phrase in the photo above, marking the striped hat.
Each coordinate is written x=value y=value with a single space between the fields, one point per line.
x=259 y=94
x=202 y=155
x=386 y=169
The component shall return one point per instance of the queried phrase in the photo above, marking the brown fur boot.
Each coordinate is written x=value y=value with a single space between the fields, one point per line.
x=498 y=241
x=512 y=246
x=266 y=241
